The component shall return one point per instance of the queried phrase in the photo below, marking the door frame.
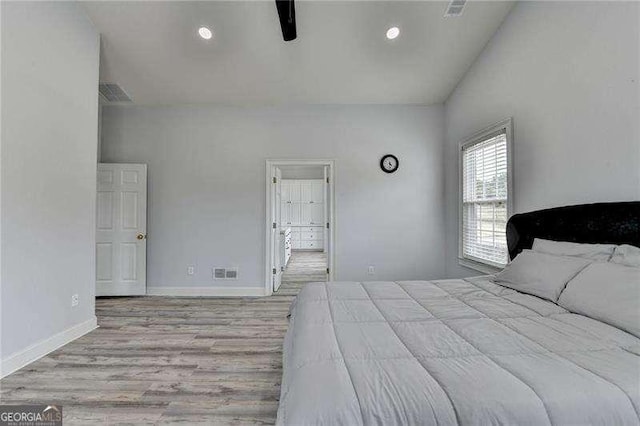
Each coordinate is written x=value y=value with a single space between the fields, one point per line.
x=269 y=243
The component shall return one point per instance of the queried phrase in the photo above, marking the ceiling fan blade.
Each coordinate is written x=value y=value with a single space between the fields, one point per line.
x=287 y=15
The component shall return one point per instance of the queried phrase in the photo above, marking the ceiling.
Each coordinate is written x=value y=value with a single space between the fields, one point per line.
x=341 y=56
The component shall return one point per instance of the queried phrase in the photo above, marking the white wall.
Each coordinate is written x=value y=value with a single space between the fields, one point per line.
x=207 y=185
x=48 y=175
x=567 y=72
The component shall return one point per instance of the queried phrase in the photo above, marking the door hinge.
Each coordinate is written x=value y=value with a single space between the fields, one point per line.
x=274 y=225
x=327 y=180
x=275 y=180
x=327 y=225
x=327 y=270
x=274 y=271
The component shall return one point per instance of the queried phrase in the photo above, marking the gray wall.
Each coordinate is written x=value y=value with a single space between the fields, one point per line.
x=302 y=172
x=207 y=185
x=568 y=74
x=49 y=148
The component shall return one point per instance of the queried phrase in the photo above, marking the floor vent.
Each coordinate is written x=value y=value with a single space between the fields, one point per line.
x=455 y=8
x=111 y=92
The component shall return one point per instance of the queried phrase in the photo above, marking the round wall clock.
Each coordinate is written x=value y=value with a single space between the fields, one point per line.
x=389 y=163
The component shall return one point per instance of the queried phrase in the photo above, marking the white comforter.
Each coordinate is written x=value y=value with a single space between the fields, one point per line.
x=453 y=351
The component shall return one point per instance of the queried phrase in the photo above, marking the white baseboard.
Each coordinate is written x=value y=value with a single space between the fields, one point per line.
x=36 y=351
x=206 y=291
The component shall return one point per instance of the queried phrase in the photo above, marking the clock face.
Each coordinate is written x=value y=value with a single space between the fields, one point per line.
x=389 y=163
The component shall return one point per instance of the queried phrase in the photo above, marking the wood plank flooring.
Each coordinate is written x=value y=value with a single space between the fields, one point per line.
x=306 y=266
x=165 y=360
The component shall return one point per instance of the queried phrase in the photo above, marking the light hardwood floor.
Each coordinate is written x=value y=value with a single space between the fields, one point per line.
x=171 y=360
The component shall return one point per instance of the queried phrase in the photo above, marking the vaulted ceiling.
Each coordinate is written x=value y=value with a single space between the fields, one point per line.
x=341 y=56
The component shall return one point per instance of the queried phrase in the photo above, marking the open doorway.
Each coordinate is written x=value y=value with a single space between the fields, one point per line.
x=300 y=215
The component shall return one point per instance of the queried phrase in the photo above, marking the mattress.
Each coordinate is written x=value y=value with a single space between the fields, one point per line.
x=463 y=351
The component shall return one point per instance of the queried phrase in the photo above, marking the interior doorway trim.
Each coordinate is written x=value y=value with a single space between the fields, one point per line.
x=270 y=172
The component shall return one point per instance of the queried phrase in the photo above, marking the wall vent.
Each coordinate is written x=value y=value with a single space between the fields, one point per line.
x=111 y=92
x=455 y=8
x=225 y=273
x=219 y=273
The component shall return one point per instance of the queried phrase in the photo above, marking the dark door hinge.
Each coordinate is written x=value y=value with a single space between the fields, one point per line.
x=274 y=271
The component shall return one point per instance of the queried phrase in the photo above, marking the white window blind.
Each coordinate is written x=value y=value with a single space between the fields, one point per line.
x=485 y=199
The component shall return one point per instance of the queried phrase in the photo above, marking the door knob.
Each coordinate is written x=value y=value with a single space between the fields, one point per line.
x=140 y=236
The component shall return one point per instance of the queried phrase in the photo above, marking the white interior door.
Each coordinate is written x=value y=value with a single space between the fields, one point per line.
x=121 y=235
x=277 y=262
x=325 y=198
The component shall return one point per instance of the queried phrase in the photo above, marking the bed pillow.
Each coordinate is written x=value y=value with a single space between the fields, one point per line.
x=563 y=248
x=608 y=292
x=540 y=274
x=626 y=255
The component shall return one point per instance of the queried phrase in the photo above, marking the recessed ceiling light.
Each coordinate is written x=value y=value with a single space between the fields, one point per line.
x=205 y=33
x=393 y=32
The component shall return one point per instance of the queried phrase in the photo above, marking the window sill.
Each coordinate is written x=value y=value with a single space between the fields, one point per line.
x=477 y=266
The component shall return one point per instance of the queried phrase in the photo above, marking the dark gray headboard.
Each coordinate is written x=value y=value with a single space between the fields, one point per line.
x=605 y=223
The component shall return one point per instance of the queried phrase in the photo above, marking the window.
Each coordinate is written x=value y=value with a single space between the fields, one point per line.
x=485 y=196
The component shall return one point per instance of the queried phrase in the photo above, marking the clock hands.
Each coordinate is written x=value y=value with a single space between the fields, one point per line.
x=389 y=163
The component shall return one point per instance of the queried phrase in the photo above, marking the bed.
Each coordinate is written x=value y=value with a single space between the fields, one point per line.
x=463 y=351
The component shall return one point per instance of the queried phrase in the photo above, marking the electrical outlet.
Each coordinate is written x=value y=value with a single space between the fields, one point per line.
x=191 y=270
x=372 y=270
x=74 y=300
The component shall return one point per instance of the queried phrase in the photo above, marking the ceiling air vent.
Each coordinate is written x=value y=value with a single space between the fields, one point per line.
x=111 y=92
x=455 y=8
